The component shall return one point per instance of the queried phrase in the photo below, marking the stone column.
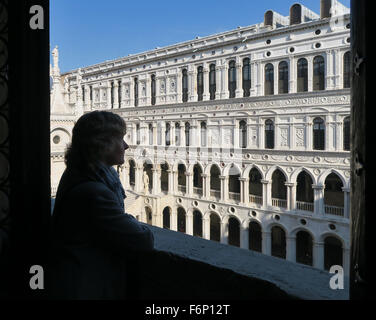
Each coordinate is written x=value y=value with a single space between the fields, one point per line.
x=116 y=95
x=175 y=181
x=318 y=255
x=291 y=249
x=206 y=228
x=174 y=220
x=224 y=232
x=346 y=207
x=224 y=91
x=123 y=96
x=156 y=182
x=236 y=135
x=246 y=191
x=179 y=86
x=170 y=182
x=218 y=81
x=276 y=75
x=205 y=185
x=239 y=77
x=138 y=178
x=192 y=86
x=108 y=95
x=148 y=90
x=189 y=183
x=318 y=193
x=87 y=102
x=172 y=134
x=190 y=223
x=131 y=92
x=329 y=74
x=310 y=73
x=267 y=243
x=206 y=94
x=182 y=134
x=266 y=193
x=223 y=188
x=288 y=188
x=261 y=135
x=244 y=236
x=155 y=134
x=163 y=135
x=292 y=75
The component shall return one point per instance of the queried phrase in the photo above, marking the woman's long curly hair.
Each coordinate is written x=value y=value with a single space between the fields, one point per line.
x=92 y=137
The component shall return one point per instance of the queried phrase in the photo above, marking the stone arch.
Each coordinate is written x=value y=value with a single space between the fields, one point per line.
x=269 y=173
x=324 y=175
x=228 y=216
x=249 y=167
x=197 y=222
x=191 y=166
x=231 y=167
x=294 y=231
x=61 y=129
x=176 y=163
x=167 y=217
x=324 y=235
x=233 y=230
x=294 y=175
x=209 y=166
x=254 y=236
x=269 y=227
x=215 y=226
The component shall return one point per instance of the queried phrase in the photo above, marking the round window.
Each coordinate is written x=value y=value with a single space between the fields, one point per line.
x=318 y=31
x=277 y=217
x=56 y=139
x=303 y=222
x=317 y=45
x=332 y=226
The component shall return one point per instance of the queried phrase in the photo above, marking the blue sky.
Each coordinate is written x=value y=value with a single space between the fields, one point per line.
x=92 y=31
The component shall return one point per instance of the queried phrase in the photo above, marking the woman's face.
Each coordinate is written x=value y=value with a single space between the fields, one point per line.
x=115 y=154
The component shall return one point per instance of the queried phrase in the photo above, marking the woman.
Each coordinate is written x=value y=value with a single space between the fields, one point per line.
x=92 y=236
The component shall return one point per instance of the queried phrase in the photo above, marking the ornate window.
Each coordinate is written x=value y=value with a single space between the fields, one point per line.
x=83 y=93
x=232 y=79
x=203 y=134
x=187 y=133
x=283 y=81
x=135 y=92
x=200 y=83
x=346 y=69
x=168 y=134
x=185 y=85
x=138 y=133
x=212 y=84
x=346 y=134
x=177 y=134
x=318 y=73
x=119 y=93
x=91 y=93
x=269 y=79
x=112 y=94
x=150 y=134
x=318 y=134
x=246 y=77
x=269 y=134
x=243 y=134
x=153 y=92
x=302 y=81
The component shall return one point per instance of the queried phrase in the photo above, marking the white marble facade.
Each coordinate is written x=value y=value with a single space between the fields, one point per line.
x=227 y=132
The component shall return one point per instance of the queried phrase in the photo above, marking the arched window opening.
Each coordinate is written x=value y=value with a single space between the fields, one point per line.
x=283 y=81
x=197 y=180
x=255 y=186
x=153 y=91
x=197 y=223
x=255 y=236
x=215 y=227
x=168 y=134
x=269 y=79
x=150 y=134
x=215 y=182
x=203 y=134
x=269 y=134
x=232 y=79
x=318 y=134
x=279 y=189
x=132 y=171
x=318 y=73
x=233 y=232
x=149 y=216
x=304 y=248
x=302 y=80
x=164 y=177
x=333 y=253
x=212 y=83
x=346 y=69
x=333 y=195
x=182 y=179
x=185 y=85
x=346 y=134
x=166 y=218
x=181 y=220
x=304 y=192
x=278 y=242
x=135 y=92
x=243 y=134
x=187 y=134
x=138 y=134
x=234 y=183
x=177 y=134
x=246 y=77
x=200 y=83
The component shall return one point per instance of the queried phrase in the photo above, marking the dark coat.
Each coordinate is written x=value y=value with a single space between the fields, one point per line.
x=91 y=241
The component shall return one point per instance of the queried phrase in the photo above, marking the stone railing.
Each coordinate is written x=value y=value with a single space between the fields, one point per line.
x=255 y=199
x=281 y=203
x=337 y=211
x=304 y=206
